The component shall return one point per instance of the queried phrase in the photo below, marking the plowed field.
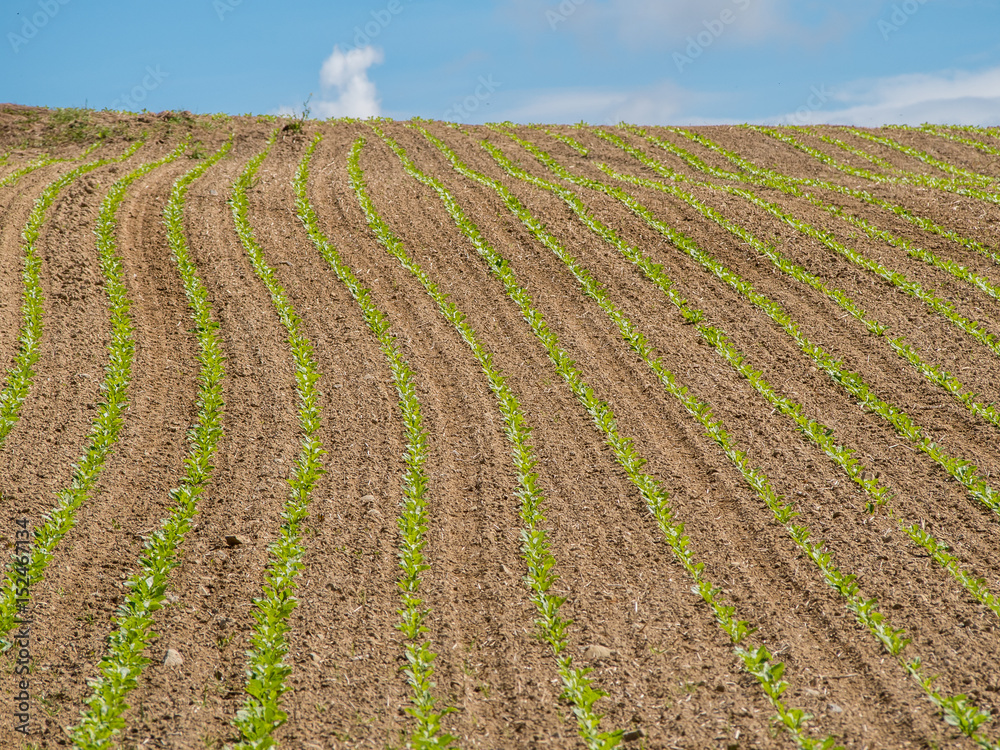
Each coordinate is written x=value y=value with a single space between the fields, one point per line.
x=419 y=435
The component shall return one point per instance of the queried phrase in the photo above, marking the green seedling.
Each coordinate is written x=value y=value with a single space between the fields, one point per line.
x=412 y=521
x=865 y=610
x=267 y=673
x=122 y=665
x=582 y=696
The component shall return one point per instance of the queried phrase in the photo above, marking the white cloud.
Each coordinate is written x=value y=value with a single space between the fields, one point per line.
x=346 y=88
x=954 y=96
x=950 y=97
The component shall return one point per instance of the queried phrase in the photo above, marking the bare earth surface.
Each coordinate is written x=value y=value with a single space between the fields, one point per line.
x=670 y=677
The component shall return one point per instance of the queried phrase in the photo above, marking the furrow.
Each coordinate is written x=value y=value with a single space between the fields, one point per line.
x=770 y=175
x=105 y=428
x=413 y=519
x=957 y=709
x=905 y=351
x=893 y=640
x=952 y=136
x=535 y=543
x=958 y=174
x=123 y=664
x=757 y=661
x=950 y=186
x=865 y=609
x=961 y=469
x=21 y=373
x=266 y=672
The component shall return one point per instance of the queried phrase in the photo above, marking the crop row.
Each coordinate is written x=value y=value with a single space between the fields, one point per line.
x=41 y=161
x=20 y=374
x=777 y=181
x=957 y=709
x=951 y=135
x=756 y=660
x=962 y=470
x=865 y=609
x=124 y=661
x=816 y=432
x=950 y=186
x=107 y=424
x=266 y=671
x=413 y=520
x=959 y=175
x=864 y=196
x=541 y=577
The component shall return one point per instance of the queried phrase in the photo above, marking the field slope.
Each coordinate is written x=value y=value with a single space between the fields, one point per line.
x=375 y=434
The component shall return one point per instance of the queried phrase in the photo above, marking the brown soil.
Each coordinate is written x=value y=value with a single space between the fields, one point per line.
x=672 y=673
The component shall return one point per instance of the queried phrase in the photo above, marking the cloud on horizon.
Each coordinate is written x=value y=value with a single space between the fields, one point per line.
x=346 y=73
x=344 y=77
x=947 y=97
x=952 y=96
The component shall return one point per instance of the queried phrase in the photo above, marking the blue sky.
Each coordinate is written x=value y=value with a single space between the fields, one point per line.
x=668 y=62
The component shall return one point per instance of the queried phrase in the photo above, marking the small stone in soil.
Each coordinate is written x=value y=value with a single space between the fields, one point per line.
x=632 y=736
x=235 y=540
x=596 y=652
x=172 y=658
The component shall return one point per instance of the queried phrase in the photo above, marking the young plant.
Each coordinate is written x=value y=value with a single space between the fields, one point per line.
x=938 y=183
x=412 y=521
x=958 y=174
x=961 y=470
x=20 y=374
x=951 y=135
x=973 y=329
x=657 y=500
x=755 y=174
x=107 y=425
x=865 y=610
x=577 y=688
x=124 y=661
x=266 y=671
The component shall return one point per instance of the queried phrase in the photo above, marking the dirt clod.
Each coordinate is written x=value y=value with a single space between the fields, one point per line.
x=596 y=652
x=172 y=658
